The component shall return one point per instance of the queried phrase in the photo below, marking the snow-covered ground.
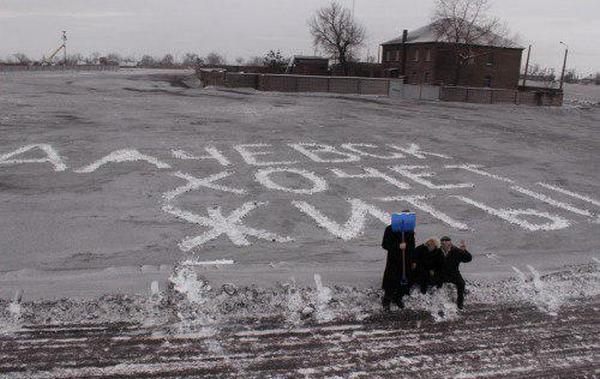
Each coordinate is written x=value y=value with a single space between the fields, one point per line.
x=582 y=95
x=126 y=197
x=533 y=326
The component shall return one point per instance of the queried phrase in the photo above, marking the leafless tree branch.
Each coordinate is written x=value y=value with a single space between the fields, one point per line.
x=466 y=24
x=336 y=32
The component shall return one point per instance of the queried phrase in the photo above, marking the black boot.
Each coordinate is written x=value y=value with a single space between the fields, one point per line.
x=460 y=292
x=386 y=302
x=460 y=301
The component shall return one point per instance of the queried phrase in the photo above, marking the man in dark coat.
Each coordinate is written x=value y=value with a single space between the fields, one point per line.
x=399 y=274
x=448 y=261
x=426 y=257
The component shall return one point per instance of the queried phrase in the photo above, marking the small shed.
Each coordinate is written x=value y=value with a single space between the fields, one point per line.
x=308 y=65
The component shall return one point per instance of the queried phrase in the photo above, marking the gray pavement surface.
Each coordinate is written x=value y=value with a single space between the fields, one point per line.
x=111 y=267
x=111 y=223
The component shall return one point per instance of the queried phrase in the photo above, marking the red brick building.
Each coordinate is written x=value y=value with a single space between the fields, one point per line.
x=422 y=57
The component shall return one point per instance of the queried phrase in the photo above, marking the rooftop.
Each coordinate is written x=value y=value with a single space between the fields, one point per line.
x=430 y=34
x=310 y=57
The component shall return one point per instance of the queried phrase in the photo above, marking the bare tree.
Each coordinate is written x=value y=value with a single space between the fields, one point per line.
x=275 y=61
x=167 y=60
x=466 y=24
x=21 y=58
x=130 y=60
x=114 y=58
x=571 y=76
x=74 y=59
x=239 y=61
x=336 y=32
x=191 y=59
x=147 y=61
x=93 y=58
x=215 y=59
x=255 y=61
x=542 y=76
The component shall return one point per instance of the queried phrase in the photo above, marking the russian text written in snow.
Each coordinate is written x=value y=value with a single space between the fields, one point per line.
x=414 y=178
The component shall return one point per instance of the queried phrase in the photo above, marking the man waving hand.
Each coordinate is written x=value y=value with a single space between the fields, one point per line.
x=449 y=259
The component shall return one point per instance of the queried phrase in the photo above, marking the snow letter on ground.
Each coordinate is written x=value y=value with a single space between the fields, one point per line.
x=316 y=152
x=570 y=193
x=416 y=152
x=417 y=202
x=263 y=176
x=513 y=216
x=476 y=169
x=371 y=173
x=195 y=183
x=120 y=156
x=249 y=155
x=213 y=153
x=219 y=224
x=354 y=147
x=52 y=157
x=354 y=226
x=418 y=177
x=551 y=201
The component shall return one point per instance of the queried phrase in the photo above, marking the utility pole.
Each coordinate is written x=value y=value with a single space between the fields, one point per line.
x=64 y=39
x=562 y=75
x=353 y=7
x=527 y=66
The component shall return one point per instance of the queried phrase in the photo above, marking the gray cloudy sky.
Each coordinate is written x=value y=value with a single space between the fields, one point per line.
x=243 y=28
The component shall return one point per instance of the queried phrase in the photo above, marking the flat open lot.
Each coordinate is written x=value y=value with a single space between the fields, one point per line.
x=89 y=212
x=111 y=181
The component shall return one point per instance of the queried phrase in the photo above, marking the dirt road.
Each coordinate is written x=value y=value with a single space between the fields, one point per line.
x=511 y=341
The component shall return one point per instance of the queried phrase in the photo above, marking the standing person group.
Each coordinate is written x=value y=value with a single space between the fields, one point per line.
x=424 y=266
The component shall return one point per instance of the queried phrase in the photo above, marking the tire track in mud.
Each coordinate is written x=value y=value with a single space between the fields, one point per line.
x=486 y=341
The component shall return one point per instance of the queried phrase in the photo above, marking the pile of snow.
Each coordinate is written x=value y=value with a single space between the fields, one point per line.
x=322 y=299
x=186 y=282
x=11 y=322
x=189 y=303
x=582 y=104
x=439 y=303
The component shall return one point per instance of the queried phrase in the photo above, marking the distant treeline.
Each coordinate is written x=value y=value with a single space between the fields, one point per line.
x=273 y=61
x=272 y=58
x=548 y=75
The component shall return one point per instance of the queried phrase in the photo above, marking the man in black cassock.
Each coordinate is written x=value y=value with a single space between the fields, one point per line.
x=400 y=272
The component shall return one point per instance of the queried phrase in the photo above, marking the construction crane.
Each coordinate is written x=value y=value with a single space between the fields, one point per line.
x=63 y=47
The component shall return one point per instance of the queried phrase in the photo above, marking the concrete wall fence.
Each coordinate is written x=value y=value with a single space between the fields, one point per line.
x=297 y=83
x=334 y=84
x=530 y=96
x=392 y=87
x=414 y=92
x=87 y=67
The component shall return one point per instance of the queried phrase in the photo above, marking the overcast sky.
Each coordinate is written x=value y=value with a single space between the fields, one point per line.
x=244 y=28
